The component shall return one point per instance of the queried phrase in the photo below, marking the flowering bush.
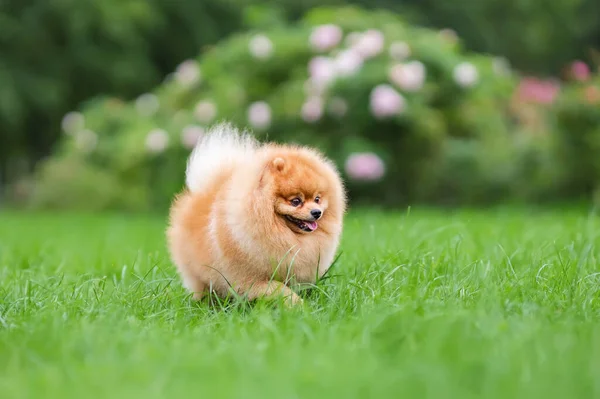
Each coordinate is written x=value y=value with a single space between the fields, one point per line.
x=577 y=121
x=385 y=100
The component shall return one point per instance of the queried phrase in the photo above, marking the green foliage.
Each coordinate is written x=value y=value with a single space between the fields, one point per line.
x=415 y=143
x=538 y=36
x=56 y=54
x=59 y=53
x=577 y=115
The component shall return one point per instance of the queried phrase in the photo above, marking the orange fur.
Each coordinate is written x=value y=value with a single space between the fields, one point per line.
x=231 y=231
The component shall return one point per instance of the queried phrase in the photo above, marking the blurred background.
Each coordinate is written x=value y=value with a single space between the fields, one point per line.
x=417 y=101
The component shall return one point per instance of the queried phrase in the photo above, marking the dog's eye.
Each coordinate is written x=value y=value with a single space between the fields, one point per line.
x=317 y=199
x=296 y=202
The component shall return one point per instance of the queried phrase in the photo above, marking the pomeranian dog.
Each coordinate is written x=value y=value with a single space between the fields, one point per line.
x=255 y=218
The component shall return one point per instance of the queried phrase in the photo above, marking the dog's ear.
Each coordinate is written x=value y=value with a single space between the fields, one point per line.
x=279 y=164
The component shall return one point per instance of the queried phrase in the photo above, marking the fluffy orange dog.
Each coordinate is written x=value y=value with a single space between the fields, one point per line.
x=255 y=218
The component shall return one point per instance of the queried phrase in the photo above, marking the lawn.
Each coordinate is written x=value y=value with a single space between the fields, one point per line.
x=501 y=303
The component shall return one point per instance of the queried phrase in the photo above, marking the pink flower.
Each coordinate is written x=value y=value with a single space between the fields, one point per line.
x=370 y=44
x=188 y=73
x=147 y=104
x=73 y=122
x=386 y=102
x=580 y=71
x=325 y=37
x=348 y=62
x=312 y=110
x=157 y=141
x=190 y=135
x=399 y=51
x=321 y=68
x=408 y=77
x=365 y=166
x=338 y=107
x=537 y=91
x=466 y=75
x=259 y=115
x=322 y=71
x=86 y=140
x=205 y=111
x=261 y=47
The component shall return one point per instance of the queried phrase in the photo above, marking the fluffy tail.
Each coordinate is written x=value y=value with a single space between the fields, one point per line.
x=221 y=148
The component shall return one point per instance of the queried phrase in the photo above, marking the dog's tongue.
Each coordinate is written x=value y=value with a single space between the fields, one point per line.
x=312 y=225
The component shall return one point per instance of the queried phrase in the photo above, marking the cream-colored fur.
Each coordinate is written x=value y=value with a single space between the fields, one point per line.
x=235 y=226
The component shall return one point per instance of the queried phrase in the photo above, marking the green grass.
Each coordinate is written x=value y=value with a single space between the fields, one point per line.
x=426 y=304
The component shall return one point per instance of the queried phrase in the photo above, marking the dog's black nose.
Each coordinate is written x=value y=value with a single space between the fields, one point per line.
x=316 y=213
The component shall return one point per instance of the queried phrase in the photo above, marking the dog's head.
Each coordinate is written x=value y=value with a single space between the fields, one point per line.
x=305 y=189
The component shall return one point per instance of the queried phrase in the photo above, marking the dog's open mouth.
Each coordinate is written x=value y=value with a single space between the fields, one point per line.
x=303 y=225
